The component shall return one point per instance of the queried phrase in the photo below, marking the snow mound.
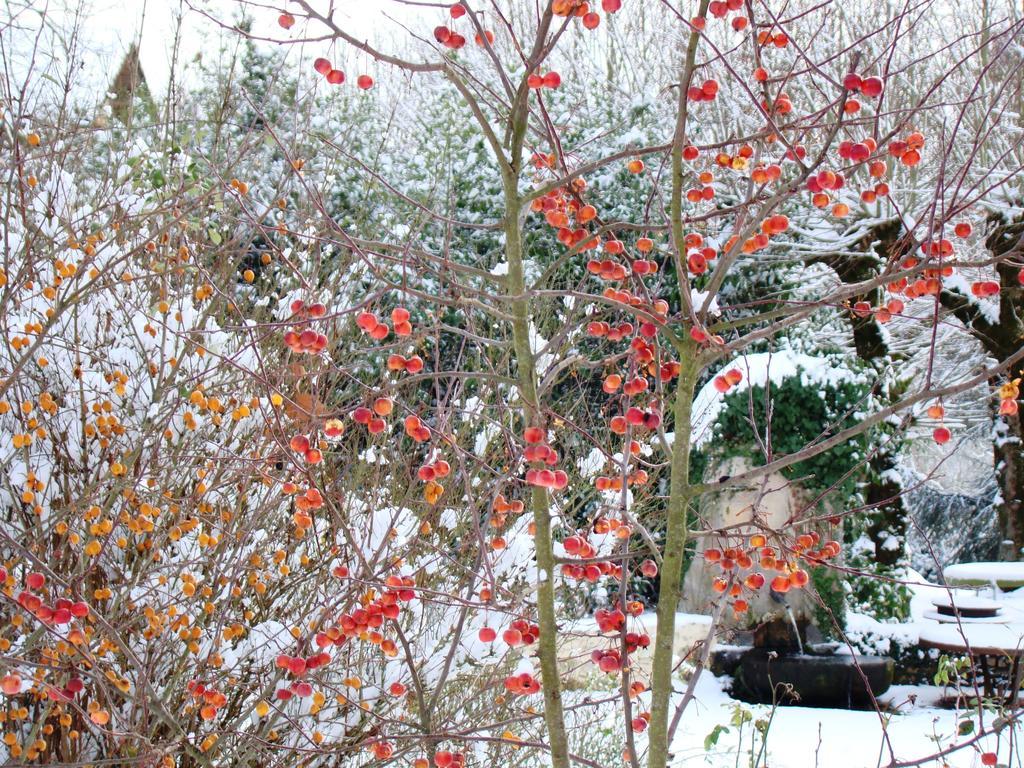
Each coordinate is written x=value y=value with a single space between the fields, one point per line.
x=757 y=370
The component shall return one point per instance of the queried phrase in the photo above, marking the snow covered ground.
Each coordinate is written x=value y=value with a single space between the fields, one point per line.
x=910 y=728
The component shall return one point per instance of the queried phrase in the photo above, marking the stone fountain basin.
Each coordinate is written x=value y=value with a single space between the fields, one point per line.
x=819 y=678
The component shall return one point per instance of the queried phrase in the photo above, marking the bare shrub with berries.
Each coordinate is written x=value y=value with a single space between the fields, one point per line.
x=330 y=417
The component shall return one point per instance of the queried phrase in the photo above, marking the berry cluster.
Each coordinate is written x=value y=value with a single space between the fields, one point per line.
x=1008 y=394
x=365 y=622
x=733 y=561
x=208 y=698
x=60 y=613
x=299 y=666
x=301 y=445
x=726 y=381
x=306 y=340
x=373 y=418
x=370 y=324
x=331 y=75
x=549 y=80
x=580 y=9
x=451 y=39
x=537 y=451
x=412 y=364
x=521 y=632
x=870 y=86
x=522 y=685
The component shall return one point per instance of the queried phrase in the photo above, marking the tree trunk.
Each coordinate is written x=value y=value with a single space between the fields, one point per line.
x=1009 y=463
x=1009 y=443
x=672 y=563
x=547 y=650
x=1002 y=339
x=887 y=514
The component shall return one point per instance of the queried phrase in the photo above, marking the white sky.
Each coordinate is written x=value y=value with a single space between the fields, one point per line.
x=109 y=27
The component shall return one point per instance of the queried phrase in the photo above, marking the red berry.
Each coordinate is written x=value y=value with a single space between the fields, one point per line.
x=872 y=87
x=513 y=637
x=533 y=435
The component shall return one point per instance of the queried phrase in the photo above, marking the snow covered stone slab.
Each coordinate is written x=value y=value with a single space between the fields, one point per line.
x=947 y=618
x=991 y=639
x=966 y=605
x=1005 y=575
x=966 y=601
